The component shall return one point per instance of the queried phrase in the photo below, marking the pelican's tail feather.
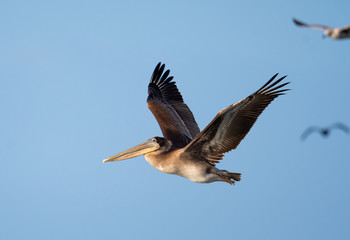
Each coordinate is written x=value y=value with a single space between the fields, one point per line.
x=230 y=177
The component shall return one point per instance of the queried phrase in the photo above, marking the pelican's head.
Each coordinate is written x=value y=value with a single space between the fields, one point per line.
x=150 y=145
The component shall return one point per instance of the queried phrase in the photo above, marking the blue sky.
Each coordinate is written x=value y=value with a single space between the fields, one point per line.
x=74 y=78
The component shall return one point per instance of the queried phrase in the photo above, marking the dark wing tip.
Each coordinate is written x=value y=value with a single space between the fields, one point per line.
x=297 y=22
x=162 y=86
x=158 y=77
x=269 y=87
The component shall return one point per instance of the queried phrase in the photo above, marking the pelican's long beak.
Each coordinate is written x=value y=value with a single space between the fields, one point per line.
x=141 y=149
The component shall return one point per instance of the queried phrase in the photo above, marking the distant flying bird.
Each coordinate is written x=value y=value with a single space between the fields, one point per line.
x=184 y=150
x=335 y=33
x=324 y=131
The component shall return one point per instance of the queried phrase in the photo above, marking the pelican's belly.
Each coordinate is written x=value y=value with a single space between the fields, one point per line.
x=196 y=171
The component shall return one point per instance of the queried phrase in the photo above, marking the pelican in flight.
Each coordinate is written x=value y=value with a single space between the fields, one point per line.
x=184 y=150
x=324 y=131
x=335 y=33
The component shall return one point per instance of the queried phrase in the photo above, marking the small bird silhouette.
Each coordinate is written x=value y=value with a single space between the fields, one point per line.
x=324 y=131
x=335 y=33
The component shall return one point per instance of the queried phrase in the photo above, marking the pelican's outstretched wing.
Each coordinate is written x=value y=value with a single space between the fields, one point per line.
x=310 y=130
x=340 y=126
x=232 y=124
x=174 y=117
x=301 y=24
x=345 y=30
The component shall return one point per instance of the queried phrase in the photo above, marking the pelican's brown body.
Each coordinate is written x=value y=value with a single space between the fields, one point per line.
x=180 y=163
x=184 y=150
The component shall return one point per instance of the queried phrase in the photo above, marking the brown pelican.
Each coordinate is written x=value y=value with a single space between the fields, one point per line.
x=184 y=150
x=324 y=131
x=335 y=33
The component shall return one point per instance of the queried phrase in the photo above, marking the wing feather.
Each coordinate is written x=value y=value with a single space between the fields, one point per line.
x=340 y=126
x=310 y=130
x=232 y=124
x=166 y=103
x=301 y=24
x=345 y=30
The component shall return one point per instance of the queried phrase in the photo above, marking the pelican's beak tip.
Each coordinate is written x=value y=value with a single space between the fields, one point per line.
x=105 y=160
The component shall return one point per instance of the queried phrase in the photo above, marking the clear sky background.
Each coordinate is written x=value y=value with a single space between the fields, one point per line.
x=74 y=77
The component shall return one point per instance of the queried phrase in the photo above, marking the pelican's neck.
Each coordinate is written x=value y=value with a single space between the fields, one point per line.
x=164 y=159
